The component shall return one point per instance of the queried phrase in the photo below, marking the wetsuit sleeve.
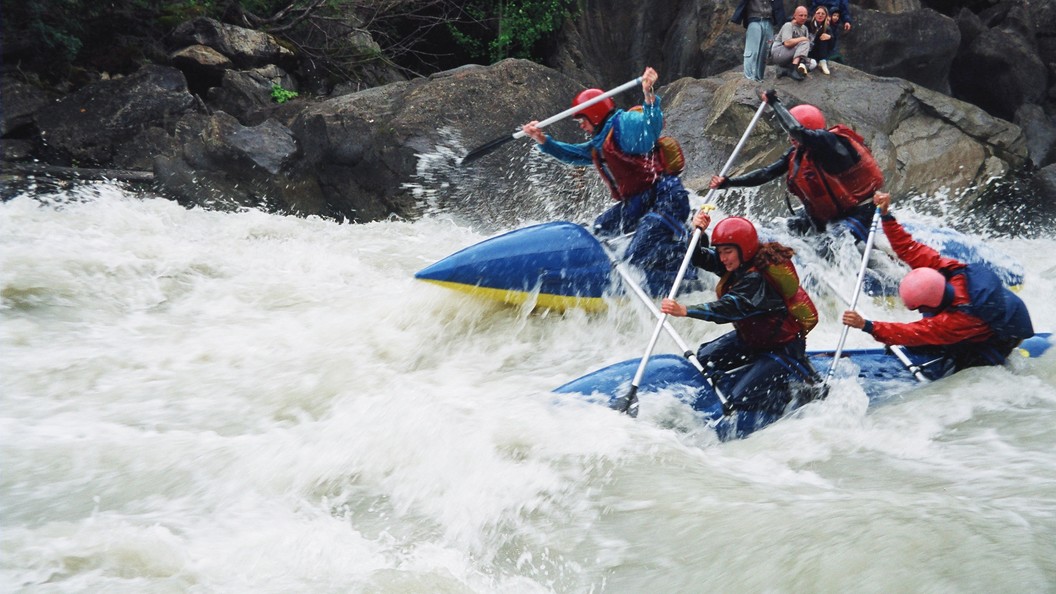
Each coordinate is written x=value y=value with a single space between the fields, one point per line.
x=948 y=327
x=636 y=132
x=749 y=296
x=758 y=177
x=573 y=154
x=914 y=253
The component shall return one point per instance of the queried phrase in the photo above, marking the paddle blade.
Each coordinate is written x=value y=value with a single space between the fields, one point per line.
x=484 y=149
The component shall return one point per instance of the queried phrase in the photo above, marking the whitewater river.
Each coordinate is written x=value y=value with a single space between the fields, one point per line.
x=199 y=401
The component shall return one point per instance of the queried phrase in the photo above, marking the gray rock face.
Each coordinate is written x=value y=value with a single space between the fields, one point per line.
x=350 y=157
x=246 y=48
x=918 y=46
x=89 y=126
x=924 y=141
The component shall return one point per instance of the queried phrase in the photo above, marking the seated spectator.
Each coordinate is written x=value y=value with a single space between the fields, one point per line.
x=818 y=27
x=835 y=28
x=791 y=46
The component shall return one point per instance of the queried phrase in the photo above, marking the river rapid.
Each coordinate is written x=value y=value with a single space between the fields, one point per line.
x=199 y=401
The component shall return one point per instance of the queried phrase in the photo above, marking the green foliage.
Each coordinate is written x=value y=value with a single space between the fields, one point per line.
x=508 y=28
x=281 y=95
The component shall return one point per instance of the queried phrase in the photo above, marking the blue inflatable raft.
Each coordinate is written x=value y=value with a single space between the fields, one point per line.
x=561 y=265
x=880 y=371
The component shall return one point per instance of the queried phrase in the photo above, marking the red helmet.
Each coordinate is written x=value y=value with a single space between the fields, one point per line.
x=922 y=287
x=738 y=232
x=808 y=116
x=596 y=113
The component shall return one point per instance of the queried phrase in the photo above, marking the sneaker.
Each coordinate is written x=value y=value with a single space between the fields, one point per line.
x=802 y=69
x=796 y=74
x=824 y=65
x=812 y=64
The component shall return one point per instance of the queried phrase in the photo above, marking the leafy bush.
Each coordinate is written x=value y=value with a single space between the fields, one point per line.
x=498 y=29
x=281 y=95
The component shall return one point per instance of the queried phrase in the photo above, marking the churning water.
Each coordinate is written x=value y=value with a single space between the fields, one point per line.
x=199 y=401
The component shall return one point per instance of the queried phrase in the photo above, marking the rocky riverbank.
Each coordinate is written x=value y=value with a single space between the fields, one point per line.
x=206 y=128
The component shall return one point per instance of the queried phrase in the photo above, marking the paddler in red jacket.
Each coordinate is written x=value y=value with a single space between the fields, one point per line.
x=969 y=315
x=759 y=294
x=831 y=170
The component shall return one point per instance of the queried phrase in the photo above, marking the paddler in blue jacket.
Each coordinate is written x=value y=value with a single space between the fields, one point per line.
x=650 y=199
x=759 y=293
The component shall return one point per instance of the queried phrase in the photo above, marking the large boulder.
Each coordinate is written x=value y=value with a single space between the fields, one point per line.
x=918 y=46
x=354 y=157
x=999 y=67
x=611 y=41
x=97 y=125
x=224 y=165
x=363 y=148
x=246 y=48
x=926 y=142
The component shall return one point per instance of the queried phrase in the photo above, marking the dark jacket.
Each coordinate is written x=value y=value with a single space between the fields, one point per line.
x=777 y=13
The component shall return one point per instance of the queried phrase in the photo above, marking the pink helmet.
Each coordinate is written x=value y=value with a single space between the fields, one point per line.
x=922 y=287
x=808 y=116
x=738 y=232
x=596 y=113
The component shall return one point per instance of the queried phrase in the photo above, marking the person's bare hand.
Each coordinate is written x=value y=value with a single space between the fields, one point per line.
x=716 y=181
x=673 y=308
x=648 y=80
x=883 y=201
x=701 y=220
x=532 y=131
x=853 y=319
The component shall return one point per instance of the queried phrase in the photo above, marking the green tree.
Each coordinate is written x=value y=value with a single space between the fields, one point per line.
x=498 y=29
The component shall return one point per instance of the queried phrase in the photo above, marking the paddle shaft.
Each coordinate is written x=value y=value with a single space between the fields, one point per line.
x=897 y=350
x=494 y=144
x=624 y=403
x=686 y=351
x=857 y=292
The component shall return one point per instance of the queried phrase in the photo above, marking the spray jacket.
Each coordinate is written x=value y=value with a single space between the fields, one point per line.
x=831 y=171
x=622 y=150
x=748 y=301
x=977 y=309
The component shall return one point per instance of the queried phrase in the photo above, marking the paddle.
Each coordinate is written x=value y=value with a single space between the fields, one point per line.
x=644 y=298
x=630 y=400
x=897 y=350
x=486 y=148
x=857 y=292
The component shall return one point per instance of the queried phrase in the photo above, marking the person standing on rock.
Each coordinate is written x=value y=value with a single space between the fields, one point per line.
x=641 y=170
x=831 y=171
x=758 y=17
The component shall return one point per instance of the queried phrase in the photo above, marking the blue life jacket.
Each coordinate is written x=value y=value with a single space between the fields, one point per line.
x=990 y=301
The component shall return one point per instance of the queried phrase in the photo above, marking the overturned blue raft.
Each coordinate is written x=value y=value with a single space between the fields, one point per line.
x=561 y=265
x=880 y=371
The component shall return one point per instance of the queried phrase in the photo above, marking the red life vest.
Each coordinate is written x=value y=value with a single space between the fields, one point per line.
x=625 y=174
x=826 y=196
x=779 y=327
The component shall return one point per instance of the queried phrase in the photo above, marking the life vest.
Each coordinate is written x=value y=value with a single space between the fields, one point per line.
x=991 y=302
x=778 y=327
x=827 y=196
x=626 y=174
